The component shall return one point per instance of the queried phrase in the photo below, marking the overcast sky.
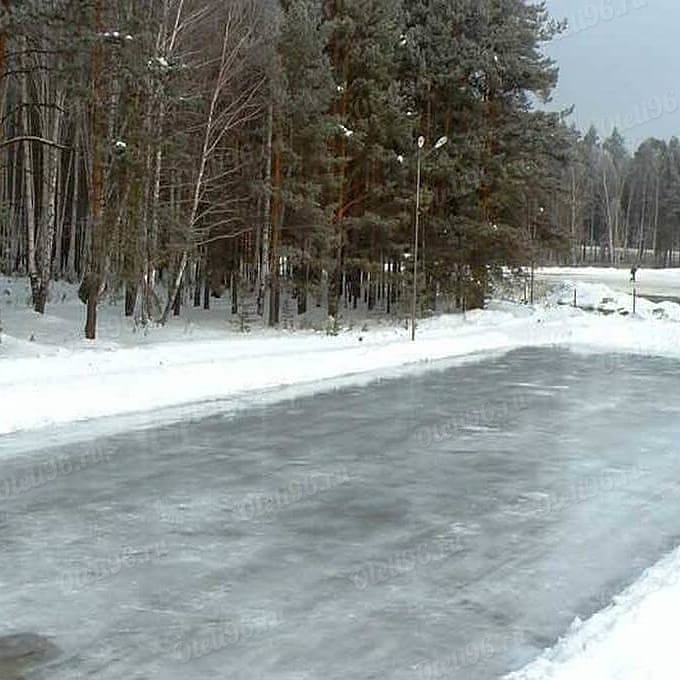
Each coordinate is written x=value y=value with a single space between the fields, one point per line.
x=620 y=64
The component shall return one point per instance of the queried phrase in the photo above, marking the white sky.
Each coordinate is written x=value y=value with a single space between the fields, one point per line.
x=620 y=64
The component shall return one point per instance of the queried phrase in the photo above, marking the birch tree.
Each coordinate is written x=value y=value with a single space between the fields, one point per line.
x=232 y=102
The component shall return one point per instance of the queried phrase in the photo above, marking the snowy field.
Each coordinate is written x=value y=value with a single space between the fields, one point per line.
x=654 y=282
x=52 y=376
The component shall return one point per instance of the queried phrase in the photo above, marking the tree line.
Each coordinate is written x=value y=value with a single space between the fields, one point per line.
x=624 y=207
x=267 y=149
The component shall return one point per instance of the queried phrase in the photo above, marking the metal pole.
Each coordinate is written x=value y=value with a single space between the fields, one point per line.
x=415 y=254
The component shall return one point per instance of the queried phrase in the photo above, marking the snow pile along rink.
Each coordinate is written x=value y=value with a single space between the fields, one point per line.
x=53 y=376
x=635 y=638
x=78 y=384
x=598 y=297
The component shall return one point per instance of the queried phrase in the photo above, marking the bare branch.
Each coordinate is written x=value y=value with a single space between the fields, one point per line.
x=32 y=138
x=225 y=237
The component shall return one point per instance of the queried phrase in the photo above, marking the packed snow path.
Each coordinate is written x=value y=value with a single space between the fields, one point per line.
x=451 y=524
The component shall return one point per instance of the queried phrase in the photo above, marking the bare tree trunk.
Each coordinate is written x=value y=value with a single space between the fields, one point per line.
x=146 y=285
x=96 y=259
x=656 y=218
x=71 y=259
x=62 y=188
x=29 y=188
x=572 y=221
x=264 y=271
x=18 y=231
x=177 y=303
x=206 y=291
x=643 y=219
x=51 y=156
x=152 y=229
x=5 y=186
x=276 y=219
x=197 y=281
x=629 y=209
x=610 y=221
x=91 y=316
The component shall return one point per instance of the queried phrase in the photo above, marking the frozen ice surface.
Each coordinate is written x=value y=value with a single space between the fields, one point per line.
x=451 y=524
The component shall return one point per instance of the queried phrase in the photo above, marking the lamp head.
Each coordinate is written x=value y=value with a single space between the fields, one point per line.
x=421 y=142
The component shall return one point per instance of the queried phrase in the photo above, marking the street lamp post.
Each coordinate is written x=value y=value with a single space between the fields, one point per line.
x=414 y=301
x=421 y=144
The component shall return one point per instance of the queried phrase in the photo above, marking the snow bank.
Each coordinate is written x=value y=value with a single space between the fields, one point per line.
x=73 y=384
x=633 y=639
x=648 y=281
x=52 y=376
x=599 y=297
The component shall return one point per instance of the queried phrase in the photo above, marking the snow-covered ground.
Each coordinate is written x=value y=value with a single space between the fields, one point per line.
x=654 y=282
x=55 y=376
x=635 y=638
x=50 y=375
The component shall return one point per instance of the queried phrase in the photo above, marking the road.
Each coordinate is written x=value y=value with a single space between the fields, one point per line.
x=450 y=524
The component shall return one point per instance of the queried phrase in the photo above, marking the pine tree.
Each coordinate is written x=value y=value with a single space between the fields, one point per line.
x=476 y=67
x=669 y=223
x=372 y=132
x=302 y=126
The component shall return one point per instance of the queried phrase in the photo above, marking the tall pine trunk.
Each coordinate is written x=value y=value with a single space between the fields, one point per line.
x=264 y=271
x=96 y=262
x=29 y=186
x=276 y=219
